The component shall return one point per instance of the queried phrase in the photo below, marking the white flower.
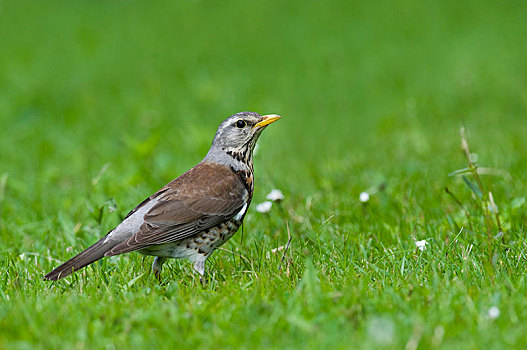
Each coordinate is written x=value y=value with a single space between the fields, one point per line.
x=364 y=197
x=421 y=244
x=494 y=312
x=275 y=195
x=264 y=207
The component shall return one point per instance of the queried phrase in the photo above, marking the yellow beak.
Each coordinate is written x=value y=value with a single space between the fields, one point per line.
x=267 y=119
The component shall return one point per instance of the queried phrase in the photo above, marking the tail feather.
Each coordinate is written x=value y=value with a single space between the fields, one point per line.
x=85 y=258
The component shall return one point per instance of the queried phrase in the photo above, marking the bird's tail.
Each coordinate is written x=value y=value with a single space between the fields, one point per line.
x=88 y=256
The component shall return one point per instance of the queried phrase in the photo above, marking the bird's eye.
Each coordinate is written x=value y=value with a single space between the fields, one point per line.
x=241 y=123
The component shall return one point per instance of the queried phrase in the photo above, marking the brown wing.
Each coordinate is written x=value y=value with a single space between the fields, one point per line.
x=202 y=198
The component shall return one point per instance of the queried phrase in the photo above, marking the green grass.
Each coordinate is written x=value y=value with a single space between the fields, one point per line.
x=103 y=102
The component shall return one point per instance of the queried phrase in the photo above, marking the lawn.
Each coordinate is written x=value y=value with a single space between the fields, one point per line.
x=103 y=102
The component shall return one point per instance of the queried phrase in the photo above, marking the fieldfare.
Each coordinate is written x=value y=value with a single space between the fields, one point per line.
x=195 y=213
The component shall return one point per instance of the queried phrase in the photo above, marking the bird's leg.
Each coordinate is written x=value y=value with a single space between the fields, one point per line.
x=199 y=266
x=158 y=265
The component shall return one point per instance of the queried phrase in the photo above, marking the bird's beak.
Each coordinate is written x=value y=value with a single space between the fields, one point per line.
x=267 y=119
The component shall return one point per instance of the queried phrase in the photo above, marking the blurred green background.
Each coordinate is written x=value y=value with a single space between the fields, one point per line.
x=103 y=102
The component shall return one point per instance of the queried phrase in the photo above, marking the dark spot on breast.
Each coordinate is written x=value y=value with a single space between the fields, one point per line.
x=236 y=155
x=245 y=177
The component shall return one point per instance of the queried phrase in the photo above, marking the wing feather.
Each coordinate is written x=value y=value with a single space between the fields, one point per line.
x=188 y=205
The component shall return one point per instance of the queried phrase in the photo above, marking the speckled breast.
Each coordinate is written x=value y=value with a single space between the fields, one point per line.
x=211 y=239
x=203 y=243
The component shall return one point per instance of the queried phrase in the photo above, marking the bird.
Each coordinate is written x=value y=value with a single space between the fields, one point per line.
x=195 y=213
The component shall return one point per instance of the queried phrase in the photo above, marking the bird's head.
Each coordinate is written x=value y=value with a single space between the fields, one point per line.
x=238 y=133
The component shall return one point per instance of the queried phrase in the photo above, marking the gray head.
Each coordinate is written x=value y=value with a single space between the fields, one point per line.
x=237 y=135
